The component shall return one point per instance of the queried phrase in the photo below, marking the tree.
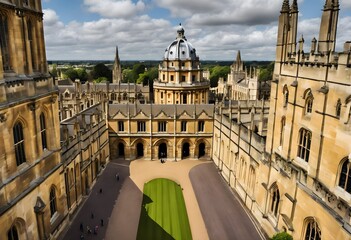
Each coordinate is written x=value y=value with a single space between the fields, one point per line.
x=54 y=70
x=282 y=236
x=101 y=80
x=266 y=73
x=71 y=74
x=217 y=72
x=101 y=70
x=148 y=76
x=82 y=74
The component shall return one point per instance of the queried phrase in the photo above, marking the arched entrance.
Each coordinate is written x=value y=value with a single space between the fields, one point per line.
x=185 y=150
x=162 y=150
x=140 y=150
x=202 y=150
x=120 y=150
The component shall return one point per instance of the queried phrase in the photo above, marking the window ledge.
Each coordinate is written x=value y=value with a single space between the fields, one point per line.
x=341 y=193
x=301 y=163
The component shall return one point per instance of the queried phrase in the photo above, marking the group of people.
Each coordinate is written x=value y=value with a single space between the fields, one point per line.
x=89 y=230
x=162 y=160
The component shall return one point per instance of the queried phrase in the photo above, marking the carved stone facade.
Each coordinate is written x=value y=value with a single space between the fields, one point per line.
x=301 y=177
x=32 y=191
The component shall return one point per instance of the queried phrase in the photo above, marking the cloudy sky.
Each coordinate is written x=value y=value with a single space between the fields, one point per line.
x=142 y=29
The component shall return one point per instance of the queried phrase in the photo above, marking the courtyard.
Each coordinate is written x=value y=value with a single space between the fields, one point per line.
x=213 y=210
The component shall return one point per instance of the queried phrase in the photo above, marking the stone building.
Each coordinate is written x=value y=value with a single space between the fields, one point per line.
x=180 y=78
x=241 y=84
x=84 y=152
x=117 y=69
x=31 y=184
x=300 y=182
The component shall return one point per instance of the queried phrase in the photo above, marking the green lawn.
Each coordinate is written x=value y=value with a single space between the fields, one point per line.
x=163 y=213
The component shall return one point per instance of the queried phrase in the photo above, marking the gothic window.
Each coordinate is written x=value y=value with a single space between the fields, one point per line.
x=286 y=96
x=141 y=126
x=113 y=96
x=4 y=43
x=19 y=143
x=43 y=131
x=345 y=176
x=304 y=144
x=309 y=104
x=308 y=101
x=282 y=128
x=125 y=96
x=312 y=230
x=183 y=78
x=12 y=234
x=200 y=126
x=338 y=108
x=162 y=126
x=275 y=199
x=120 y=126
x=53 y=205
x=183 y=126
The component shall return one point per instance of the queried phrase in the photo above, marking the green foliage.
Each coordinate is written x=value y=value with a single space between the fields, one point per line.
x=101 y=70
x=148 y=76
x=266 y=72
x=76 y=73
x=82 y=74
x=217 y=72
x=282 y=236
x=128 y=75
x=54 y=70
x=101 y=80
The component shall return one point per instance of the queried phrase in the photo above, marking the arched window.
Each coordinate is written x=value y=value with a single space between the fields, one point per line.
x=12 y=234
x=286 y=96
x=308 y=101
x=4 y=43
x=345 y=176
x=19 y=143
x=338 y=108
x=252 y=179
x=308 y=105
x=312 y=230
x=275 y=199
x=53 y=206
x=282 y=128
x=43 y=131
x=304 y=144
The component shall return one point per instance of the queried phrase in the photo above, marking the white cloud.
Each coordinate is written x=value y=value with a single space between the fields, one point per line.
x=141 y=37
x=223 y=12
x=345 y=4
x=115 y=8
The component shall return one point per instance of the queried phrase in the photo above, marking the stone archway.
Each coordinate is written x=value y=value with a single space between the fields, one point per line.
x=121 y=150
x=140 y=150
x=185 y=150
x=162 y=150
x=202 y=150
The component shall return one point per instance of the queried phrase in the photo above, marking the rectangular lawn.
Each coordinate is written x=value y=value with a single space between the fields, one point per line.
x=163 y=213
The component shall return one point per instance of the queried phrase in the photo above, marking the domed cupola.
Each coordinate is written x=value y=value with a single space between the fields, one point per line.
x=180 y=49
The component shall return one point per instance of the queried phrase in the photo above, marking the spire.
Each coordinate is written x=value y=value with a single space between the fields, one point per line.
x=294 y=7
x=238 y=57
x=117 y=56
x=285 y=7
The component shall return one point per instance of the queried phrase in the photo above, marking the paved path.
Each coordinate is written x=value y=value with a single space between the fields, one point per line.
x=224 y=216
x=99 y=204
x=221 y=215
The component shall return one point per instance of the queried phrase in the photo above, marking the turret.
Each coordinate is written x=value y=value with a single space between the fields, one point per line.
x=292 y=32
x=329 y=21
x=117 y=70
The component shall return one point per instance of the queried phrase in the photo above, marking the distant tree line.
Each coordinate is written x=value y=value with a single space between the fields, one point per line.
x=145 y=72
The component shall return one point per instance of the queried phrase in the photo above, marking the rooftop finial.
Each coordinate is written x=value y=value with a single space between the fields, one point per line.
x=180 y=31
x=294 y=7
x=285 y=7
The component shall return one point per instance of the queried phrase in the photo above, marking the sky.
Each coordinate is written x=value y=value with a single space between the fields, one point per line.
x=143 y=29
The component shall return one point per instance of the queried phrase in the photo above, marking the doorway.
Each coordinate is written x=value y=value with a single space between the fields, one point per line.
x=140 y=150
x=202 y=150
x=162 y=150
x=185 y=150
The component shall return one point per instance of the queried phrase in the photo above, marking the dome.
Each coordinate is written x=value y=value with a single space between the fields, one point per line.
x=180 y=49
